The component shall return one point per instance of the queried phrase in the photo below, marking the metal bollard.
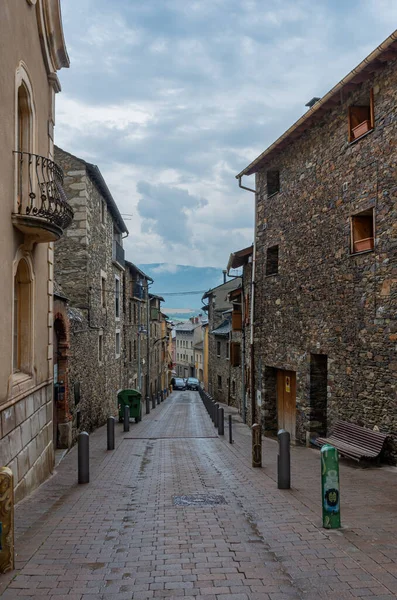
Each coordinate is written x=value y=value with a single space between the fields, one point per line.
x=110 y=432
x=221 y=422
x=83 y=457
x=7 y=520
x=158 y=397
x=162 y=396
x=330 y=487
x=126 y=417
x=230 y=430
x=216 y=408
x=153 y=401
x=147 y=405
x=256 y=445
x=213 y=411
x=283 y=460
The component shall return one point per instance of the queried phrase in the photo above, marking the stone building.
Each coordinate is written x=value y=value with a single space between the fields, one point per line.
x=34 y=213
x=325 y=259
x=241 y=335
x=221 y=374
x=186 y=336
x=89 y=267
x=135 y=327
x=157 y=343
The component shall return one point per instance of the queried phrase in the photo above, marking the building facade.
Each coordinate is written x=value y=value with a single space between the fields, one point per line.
x=135 y=327
x=90 y=270
x=325 y=292
x=221 y=371
x=186 y=336
x=34 y=213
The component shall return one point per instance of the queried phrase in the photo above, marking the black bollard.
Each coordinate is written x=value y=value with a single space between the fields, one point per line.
x=126 y=417
x=110 y=432
x=153 y=401
x=213 y=411
x=158 y=397
x=221 y=422
x=83 y=457
x=147 y=405
x=283 y=461
x=162 y=396
x=216 y=408
x=230 y=430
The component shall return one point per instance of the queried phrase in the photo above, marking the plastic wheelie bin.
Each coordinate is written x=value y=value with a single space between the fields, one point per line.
x=131 y=398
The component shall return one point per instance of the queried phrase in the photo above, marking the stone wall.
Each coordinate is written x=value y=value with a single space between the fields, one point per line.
x=325 y=300
x=26 y=444
x=82 y=259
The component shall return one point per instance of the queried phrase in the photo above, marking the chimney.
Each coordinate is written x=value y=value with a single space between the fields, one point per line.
x=196 y=319
x=224 y=275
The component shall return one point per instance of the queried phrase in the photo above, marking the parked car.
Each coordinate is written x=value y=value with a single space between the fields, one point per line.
x=178 y=383
x=192 y=383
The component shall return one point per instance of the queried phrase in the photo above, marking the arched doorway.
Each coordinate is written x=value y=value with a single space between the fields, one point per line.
x=62 y=423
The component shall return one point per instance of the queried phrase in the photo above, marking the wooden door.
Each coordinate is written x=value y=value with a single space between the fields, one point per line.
x=286 y=401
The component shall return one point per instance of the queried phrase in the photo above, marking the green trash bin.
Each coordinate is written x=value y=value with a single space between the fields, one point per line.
x=131 y=398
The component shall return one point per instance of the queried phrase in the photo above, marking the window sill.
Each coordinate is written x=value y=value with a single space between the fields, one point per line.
x=362 y=252
x=272 y=195
x=271 y=275
x=361 y=137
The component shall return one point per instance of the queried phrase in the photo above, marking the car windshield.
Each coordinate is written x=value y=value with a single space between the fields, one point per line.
x=177 y=380
x=192 y=380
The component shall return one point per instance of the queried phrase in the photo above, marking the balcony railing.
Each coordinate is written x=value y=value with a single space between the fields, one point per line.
x=42 y=208
x=118 y=253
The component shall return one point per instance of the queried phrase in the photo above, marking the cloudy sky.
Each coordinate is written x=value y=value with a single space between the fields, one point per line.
x=172 y=98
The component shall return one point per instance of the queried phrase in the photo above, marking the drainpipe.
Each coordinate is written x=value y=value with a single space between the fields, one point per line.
x=253 y=403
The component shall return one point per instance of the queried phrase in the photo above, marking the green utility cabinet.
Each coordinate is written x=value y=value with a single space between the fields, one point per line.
x=131 y=398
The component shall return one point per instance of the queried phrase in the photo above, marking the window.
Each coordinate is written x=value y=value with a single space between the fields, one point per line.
x=218 y=348
x=129 y=312
x=22 y=351
x=273 y=182
x=117 y=298
x=117 y=343
x=134 y=348
x=362 y=231
x=233 y=388
x=219 y=382
x=235 y=354
x=237 y=318
x=130 y=350
x=103 y=292
x=227 y=349
x=103 y=212
x=24 y=142
x=361 y=119
x=100 y=346
x=272 y=260
x=135 y=314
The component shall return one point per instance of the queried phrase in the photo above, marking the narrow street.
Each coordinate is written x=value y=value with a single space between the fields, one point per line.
x=176 y=511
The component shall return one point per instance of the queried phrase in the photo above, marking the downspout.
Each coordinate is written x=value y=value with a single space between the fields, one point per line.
x=252 y=349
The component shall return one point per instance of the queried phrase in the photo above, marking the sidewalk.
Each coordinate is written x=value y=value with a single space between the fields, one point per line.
x=125 y=535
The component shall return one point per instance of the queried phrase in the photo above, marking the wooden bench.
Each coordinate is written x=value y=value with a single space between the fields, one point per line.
x=354 y=441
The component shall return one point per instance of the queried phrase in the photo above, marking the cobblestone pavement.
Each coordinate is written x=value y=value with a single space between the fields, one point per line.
x=176 y=511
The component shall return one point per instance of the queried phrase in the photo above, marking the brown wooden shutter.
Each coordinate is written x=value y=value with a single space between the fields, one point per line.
x=235 y=354
x=237 y=321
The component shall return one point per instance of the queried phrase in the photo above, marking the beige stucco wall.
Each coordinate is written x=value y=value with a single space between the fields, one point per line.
x=22 y=402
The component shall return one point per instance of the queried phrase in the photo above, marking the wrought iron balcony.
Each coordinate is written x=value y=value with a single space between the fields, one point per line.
x=43 y=212
x=118 y=254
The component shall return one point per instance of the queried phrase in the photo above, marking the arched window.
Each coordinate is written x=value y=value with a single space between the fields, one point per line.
x=24 y=144
x=22 y=355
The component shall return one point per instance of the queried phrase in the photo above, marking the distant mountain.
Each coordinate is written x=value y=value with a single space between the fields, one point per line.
x=172 y=279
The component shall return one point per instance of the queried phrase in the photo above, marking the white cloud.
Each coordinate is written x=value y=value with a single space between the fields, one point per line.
x=183 y=95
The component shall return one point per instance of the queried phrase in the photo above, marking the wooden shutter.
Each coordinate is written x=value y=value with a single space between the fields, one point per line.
x=237 y=321
x=235 y=354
